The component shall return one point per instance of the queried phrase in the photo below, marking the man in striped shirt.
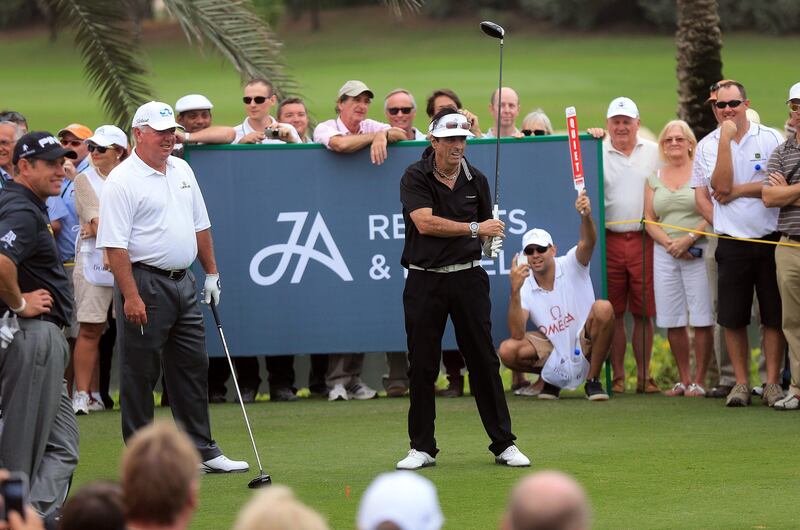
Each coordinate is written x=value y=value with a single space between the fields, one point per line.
x=782 y=189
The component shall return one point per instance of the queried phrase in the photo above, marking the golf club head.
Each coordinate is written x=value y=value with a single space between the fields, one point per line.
x=260 y=481
x=493 y=30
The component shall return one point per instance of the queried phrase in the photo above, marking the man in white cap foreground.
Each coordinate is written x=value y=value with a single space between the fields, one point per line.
x=153 y=224
x=548 y=500
x=628 y=161
x=400 y=501
x=447 y=209
x=573 y=330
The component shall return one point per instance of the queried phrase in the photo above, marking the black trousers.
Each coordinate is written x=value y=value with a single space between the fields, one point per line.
x=428 y=299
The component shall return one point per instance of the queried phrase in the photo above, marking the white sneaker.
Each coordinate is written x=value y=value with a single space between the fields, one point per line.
x=96 y=405
x=223 y=464
x=338 y=393
x=416 y=459
x=360 y=391
x=512 y=457
x=80 y=403
x=790 y=402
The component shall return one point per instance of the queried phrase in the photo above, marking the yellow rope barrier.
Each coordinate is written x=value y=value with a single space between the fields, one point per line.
x=708 y=234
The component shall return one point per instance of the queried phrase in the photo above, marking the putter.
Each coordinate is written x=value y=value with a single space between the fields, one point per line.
x=262 y=479
x=496 y=31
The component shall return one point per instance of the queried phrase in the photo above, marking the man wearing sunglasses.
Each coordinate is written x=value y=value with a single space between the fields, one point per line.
x=573 y=330
x=729 y=171
x=782 y=188
x=352 y=131
x=447 y=209
x=401 y=109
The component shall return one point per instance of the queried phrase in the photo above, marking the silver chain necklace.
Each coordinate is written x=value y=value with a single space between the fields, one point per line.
x=441 y=175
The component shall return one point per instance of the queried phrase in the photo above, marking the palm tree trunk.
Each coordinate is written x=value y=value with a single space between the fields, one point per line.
x=699 y=45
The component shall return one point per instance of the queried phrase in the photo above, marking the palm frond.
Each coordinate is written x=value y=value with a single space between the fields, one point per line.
x=111 y=61
x=238 y=34
x=398 y=6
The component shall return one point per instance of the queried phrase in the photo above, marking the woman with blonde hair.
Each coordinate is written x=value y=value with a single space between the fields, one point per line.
x=277 y=508
x=93 y=284
x=682 y=292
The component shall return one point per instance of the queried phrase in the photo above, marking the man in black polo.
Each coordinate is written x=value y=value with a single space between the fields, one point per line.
x=40 y=437
x=447 y=212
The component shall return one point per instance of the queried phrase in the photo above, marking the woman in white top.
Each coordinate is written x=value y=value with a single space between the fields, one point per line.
x=682 y=292
x=93 y=292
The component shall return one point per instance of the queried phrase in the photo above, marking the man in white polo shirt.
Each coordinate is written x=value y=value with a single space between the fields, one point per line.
x=352 y=131
x=153 y=224
x=735 y=162
x=573 y=330
x=628 y=161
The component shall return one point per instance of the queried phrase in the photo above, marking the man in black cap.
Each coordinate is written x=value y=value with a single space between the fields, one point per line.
x=40 y=437
x=447 y=210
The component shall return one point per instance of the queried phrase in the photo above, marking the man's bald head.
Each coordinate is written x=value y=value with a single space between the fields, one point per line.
x=548 y=500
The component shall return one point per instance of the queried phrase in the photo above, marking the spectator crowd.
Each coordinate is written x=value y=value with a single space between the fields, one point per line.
x=84 y=268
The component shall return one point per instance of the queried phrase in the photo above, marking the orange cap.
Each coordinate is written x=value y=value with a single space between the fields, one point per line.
x=712 y=96
x=82 y=132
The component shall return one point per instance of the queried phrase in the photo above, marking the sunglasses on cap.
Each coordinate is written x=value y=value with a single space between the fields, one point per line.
x=454 y=125
x=535 y=132
x=732 y=103
x=71 y=143
x=99 y=148
x=405 y=110
x=794 y=107
x=258 y=100
x=538 y=249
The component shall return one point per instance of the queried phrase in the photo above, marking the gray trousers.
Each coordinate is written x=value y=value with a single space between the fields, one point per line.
x=174 y=337
x=344 y=369
x=40 y=437
x=398 y=370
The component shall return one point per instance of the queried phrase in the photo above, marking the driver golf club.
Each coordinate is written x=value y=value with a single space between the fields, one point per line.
x=262 y=479
x=496 y=31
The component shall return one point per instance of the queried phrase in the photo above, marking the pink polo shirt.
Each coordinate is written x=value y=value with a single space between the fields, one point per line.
x=328 y=129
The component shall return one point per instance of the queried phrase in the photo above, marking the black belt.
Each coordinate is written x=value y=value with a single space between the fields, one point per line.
x=176 y=274
x=50 y=318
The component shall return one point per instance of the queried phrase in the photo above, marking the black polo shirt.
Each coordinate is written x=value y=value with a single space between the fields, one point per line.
x=468 y=201
x=27 y=240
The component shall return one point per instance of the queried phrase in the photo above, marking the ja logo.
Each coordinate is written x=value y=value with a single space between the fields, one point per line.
x=333 y=259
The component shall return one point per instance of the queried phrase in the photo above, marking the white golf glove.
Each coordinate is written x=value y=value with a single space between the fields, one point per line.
x=9 y=325
x=492 y=246
x=212 y=289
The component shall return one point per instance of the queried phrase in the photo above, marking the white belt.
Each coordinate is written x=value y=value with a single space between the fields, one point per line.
x=449 y=268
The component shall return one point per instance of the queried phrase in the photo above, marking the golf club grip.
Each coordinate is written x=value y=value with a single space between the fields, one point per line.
x=215 y=312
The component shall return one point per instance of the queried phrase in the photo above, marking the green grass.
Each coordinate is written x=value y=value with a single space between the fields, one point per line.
x=647 y=461
x=549 y=70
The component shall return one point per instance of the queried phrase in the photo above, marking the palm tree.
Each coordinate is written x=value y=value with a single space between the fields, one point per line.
x=699 y=45
x=106 y=37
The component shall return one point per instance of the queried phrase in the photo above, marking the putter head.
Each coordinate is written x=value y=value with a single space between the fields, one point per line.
x=493 y=30
x=260 y=481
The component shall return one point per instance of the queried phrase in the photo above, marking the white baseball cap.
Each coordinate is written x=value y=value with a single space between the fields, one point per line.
x=354 y=88
x=623 y=106
x=193 y=102
x=536 y=236
x=107 y=135
x=794 y=92
x=454 y=124
x=156 y=115
x=404 y=498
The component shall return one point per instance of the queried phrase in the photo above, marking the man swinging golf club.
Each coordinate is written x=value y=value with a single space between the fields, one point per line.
x=447 y=209
x=574 y=330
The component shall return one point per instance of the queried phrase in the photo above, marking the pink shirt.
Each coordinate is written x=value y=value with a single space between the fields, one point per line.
x=328 y=129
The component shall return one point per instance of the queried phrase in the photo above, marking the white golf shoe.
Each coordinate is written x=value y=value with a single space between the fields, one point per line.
x=80 y=403
x=360 y=391
x=223 y=464
x=512 y=457
x=416 y=460
x=338 y=393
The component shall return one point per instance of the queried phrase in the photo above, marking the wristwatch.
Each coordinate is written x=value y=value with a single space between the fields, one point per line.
x=473 y=227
